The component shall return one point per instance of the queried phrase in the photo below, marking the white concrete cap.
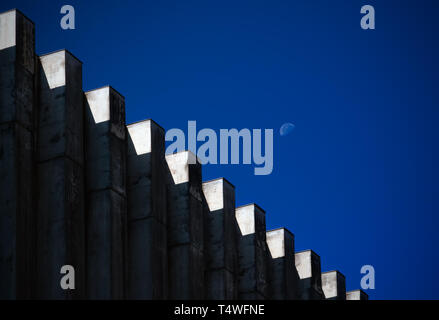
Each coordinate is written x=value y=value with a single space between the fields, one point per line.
x=99 y=103
x=245 y=217
x=304 y=264
x=178 y=164
x=54 y=68
x=8 y=29
x=140 y=135
x=356 y=295
x=276 y=242
x=330 y=283
x=353 y=295
x=214 y=194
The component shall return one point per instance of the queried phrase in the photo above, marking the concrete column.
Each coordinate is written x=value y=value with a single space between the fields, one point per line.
x=60 y=217
x=146 y=188
x=17 y=105
x=106 y=214
x=186 y=210
x=309 y=270
x=334 y=285
x=357 y=295
x=252 y=253
x=284 y=280
x=221 y=233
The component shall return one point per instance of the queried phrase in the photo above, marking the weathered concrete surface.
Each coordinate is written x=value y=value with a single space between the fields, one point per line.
x=252 y=253
x=334 y=285
x=61 y=109
x=16 y=219
x=284 y=280
x=17 y=105
x=105 y=140
x=186 y=272
x=221 y=240
x=357 y=295
x=106 y=245
x=17 y=69
x=309 y=270
x=146 y=196
x=186 y=211
x=60 y=176
x=106 y=214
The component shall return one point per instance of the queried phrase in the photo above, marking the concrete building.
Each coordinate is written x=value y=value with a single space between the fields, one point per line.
x=80 y=188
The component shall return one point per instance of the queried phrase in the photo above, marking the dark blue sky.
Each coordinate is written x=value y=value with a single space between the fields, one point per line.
x=355 y=181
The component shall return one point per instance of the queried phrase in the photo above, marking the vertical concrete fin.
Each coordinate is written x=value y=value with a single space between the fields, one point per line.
x=106 y=217
x=309 y=271
x=61 y=108
x=221 y=245
x=105 y=140
x=284 y=280
x=252 y=253
x=17 y=63
x=60 y=175
x=186 y=211
x=334 y=285
x=146 y=187
x=17 y=106
x=146 y=171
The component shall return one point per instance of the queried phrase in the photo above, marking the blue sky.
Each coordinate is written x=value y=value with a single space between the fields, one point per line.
x=355 y=181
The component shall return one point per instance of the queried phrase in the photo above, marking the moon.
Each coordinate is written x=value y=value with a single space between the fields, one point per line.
x=286 y=129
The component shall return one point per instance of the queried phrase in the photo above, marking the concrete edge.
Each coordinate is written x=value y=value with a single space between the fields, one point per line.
x=20 y=12
x=221 y=178
x=103 y=87
x=336 y=271
x=149 y=119
x=281 y=228
x=312 y=252
x=251 y=204
x=59 y=50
